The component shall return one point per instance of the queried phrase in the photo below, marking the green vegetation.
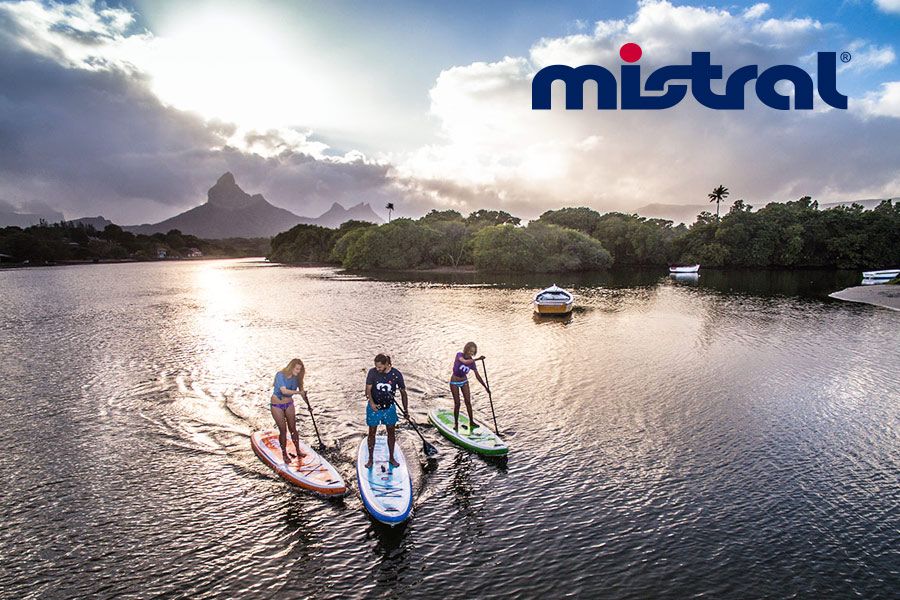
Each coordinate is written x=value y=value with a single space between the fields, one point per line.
x=781 y=235
x=540 y=247
x=795 y=234
x=65 y=242
x=789 y=235
x=631 y=239
x=490 y=240
x=311 y=243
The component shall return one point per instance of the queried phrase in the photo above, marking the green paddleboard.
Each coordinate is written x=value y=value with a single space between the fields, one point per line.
x=482 y=441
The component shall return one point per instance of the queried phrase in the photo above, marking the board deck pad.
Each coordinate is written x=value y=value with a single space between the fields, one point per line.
x=483 y=440
x=386 y=490
x=311 y=472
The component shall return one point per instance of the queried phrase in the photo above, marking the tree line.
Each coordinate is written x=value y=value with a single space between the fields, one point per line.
x=780 y=235
x=66 y=241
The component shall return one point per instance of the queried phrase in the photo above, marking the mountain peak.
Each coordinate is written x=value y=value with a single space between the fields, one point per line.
x=337 y=214
x=227 y=194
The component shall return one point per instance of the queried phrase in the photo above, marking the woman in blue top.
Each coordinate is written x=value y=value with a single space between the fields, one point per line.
x=464 y=363
x=288 y=382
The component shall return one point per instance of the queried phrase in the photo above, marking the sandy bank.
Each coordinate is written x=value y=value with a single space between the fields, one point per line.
x=886 y=296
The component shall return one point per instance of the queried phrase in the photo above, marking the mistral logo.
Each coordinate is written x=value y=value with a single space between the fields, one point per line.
x=700 y=73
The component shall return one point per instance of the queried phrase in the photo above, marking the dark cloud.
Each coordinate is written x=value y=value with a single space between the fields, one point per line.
x=88 y=38
x=91 y=142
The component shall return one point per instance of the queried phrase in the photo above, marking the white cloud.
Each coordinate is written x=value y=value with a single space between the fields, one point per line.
x=85 y=133
x=621 y=160
x=240 y=65
x=145 y=157
x=76 y=35
x=756 y=11
x=867 y=57
x=888 y=6
x=884 y=102
x=780 y=30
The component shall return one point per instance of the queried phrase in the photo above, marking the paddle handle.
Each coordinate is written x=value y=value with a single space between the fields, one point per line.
x=313 y=418
x=429 y=449
x=411 y=422
x=490 y=398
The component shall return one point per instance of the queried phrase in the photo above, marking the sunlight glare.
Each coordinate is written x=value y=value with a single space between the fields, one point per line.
x=240 y=68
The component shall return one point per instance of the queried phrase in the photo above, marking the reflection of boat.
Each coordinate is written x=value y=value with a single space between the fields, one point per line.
x=553 y=301
x=685 y=276
x=684 y=268
x=876 y=277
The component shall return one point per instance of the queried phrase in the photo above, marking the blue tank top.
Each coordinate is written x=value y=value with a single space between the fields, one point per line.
x=282 y=381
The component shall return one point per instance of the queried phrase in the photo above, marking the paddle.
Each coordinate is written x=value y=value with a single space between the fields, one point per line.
x=306 y=399
x=428 y=448
x=490 y=399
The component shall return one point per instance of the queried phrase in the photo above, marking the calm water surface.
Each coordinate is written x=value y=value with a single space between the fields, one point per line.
x=732 y=436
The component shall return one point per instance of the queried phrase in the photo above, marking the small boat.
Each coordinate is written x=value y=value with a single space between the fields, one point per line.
x=553 y=301
x=684 y=268
x=884 y=276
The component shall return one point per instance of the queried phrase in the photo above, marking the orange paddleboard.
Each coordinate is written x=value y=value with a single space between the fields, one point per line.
x=312 y=472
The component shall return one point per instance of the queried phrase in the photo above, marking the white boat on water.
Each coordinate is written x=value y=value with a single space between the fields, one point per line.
x=553 y=301
x=885 y=275
x=684 y=268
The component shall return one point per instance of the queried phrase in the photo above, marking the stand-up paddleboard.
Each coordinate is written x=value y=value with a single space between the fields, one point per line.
x=483 y=440
x=386 y=491
x=312 y=472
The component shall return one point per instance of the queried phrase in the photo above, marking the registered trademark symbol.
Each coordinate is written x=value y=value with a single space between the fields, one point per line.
x=845 y=57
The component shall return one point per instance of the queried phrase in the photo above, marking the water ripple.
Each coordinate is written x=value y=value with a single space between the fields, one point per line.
x=668 y=439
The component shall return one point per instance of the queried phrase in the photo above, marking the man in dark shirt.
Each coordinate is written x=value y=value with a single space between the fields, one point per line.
x=382 y=382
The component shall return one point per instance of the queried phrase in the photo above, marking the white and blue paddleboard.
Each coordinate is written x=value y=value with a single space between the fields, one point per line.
x=386 y=490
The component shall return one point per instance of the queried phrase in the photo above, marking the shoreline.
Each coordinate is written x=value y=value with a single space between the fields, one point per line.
x=114 y=261
x=884 y=296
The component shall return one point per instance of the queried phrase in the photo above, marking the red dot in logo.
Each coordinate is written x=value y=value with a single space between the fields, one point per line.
x=630 y=52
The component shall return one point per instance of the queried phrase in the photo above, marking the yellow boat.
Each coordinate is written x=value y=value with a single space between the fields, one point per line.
x=553 y=301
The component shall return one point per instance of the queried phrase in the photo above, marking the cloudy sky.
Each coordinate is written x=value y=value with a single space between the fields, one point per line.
x=132 y=109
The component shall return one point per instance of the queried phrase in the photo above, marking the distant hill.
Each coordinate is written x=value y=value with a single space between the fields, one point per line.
x=337 y=214
x=98 y=223
x=228 y=212
x=10 y=218
x=868 y=204
x=679 y=213
x=232 y=212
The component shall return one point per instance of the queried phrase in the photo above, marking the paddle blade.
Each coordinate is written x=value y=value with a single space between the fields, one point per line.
x=430 y=450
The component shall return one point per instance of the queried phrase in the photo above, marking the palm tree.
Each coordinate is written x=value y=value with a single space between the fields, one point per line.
x=390 y=209
x=718 y=194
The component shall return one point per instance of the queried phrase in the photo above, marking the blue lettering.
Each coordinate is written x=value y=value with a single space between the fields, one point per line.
x=827 y=71
x=700 y=73
x=704 y=73
x=574 y=79
x=803 y=87
x=631 y=87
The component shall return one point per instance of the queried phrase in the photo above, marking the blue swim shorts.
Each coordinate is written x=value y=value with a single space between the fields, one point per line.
x=388 y=416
